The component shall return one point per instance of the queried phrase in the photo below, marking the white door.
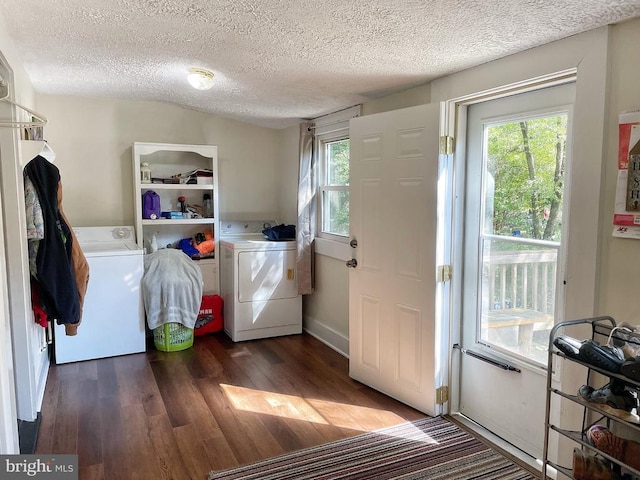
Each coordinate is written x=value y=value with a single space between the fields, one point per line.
x=8 y=416
x=513 y=257
x=393 y=193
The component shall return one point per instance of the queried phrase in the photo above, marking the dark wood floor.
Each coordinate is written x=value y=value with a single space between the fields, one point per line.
x=217 y=405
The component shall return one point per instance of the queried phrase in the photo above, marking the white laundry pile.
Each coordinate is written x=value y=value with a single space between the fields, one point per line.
x=171 y=288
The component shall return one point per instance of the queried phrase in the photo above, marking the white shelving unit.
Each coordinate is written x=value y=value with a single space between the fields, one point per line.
x=167 y=160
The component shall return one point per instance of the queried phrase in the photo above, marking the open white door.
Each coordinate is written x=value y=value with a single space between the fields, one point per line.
x=392 y=288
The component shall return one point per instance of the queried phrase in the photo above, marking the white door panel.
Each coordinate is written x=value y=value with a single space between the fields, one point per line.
x=368 y=336
x=393 y=192
x=506 y=403
x=370 y=253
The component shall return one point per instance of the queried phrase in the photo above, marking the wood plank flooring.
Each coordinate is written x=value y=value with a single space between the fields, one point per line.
x=217 y=405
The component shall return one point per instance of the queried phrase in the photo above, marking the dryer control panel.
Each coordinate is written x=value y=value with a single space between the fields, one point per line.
x=240 y=227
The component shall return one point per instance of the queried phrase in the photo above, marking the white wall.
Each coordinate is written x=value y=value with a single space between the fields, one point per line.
x=326 y=311
x=620 y=261
x=420 y=95
x=251 y=175
x=92 y=138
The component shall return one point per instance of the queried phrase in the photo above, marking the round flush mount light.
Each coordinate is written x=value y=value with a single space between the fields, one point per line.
x=200 y=78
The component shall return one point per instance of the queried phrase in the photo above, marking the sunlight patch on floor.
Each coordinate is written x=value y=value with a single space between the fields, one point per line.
x=415 y=434
x=353 y=417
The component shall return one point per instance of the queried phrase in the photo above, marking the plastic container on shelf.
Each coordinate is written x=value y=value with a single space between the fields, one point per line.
x=207 y=206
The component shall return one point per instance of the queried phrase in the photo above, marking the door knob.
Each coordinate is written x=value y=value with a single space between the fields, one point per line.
x=353 y=263
x=353 y=243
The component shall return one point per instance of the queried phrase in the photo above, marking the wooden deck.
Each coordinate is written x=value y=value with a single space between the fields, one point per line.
x=526 y=321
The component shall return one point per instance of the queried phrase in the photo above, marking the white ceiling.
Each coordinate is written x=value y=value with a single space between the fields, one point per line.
x=277 y=61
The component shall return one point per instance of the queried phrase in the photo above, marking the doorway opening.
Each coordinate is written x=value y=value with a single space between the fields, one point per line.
x=512 y=172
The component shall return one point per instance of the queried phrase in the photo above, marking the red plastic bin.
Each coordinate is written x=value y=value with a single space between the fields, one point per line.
x=209 y=318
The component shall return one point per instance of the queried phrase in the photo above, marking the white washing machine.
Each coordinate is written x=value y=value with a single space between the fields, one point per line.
x=258 y=283
x=113 y=314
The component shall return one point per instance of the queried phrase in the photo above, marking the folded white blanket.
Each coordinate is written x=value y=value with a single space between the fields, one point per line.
x=171 y=288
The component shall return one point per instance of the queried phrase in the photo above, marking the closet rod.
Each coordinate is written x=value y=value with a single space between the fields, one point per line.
x=42 y=120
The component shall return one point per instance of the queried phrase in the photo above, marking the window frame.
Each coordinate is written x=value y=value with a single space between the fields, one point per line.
x=330 y=128
x=321 y=143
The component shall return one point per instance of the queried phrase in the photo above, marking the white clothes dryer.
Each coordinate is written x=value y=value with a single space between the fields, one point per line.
x=113 y=315
x=258 y=283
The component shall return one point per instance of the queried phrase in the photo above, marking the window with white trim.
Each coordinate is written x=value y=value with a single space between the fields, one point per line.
x=332 y=150
x=333 y=192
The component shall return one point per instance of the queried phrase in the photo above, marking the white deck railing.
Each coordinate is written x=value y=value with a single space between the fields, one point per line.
x=519 y=284
x=521 y=279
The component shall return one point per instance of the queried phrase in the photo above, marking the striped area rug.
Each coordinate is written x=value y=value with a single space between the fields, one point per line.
x=432 y=448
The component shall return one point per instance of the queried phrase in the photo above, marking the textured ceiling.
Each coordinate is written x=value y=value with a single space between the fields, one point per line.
x=277 y=61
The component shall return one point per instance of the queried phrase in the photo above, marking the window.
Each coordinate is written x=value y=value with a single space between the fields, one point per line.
x=334 y=188
x=332 y=154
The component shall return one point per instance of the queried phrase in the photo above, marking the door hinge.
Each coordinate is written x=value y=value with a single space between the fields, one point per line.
x=446 y=145
x=444 y=273
x=442 y=395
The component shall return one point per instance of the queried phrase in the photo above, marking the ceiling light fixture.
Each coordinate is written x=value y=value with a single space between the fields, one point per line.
x=200 y=78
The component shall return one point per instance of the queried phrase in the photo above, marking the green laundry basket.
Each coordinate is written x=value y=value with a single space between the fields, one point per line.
x=172 y=337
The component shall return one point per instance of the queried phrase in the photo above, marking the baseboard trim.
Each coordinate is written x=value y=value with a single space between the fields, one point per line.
x=327 y=335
